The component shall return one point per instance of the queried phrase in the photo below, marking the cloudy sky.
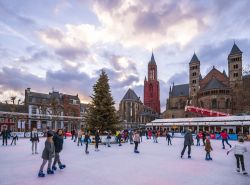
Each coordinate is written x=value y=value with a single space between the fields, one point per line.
x=64 y=44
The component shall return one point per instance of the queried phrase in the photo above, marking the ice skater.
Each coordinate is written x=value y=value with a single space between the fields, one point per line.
x=34 y=140
x=208 y=149
x=136 y=141
x=108 y=139
x=5 y=135
x=225 y=138
x=48 y=154
x=86 y=141
x=58 y=143
x=79 y=135
x=119 y=138
x=131 y=137
x=168 y=138
x=14 y=139
x=198 y=139
x=73 y=132
x=97 y=140
x=188 y=141
x=149 y=133
x=239 y=150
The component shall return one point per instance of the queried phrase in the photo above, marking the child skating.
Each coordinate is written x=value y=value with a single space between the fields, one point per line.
x=14 y=139
x=239 y=150
x=208 y=149
x=136 y=141
x=47 y=155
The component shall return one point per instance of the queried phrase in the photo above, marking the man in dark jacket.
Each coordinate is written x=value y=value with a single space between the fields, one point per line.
x=5 y=135
x=58 y=142
x=188 y=141
x=97 y=139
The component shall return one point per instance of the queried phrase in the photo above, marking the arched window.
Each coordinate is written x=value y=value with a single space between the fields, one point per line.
x=214 y=104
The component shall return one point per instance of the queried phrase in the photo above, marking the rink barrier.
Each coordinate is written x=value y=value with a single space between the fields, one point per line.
x=26 y=134
x=212 y=136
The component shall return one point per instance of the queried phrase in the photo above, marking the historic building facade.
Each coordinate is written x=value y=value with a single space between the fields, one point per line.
x=132 y=111
x=152 y=87
x=216 y=91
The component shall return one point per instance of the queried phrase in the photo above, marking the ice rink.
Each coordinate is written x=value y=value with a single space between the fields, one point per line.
x=157 y=164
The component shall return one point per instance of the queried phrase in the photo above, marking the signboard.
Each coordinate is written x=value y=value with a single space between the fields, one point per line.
x=26 y=134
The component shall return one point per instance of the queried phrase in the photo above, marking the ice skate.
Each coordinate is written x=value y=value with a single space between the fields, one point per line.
x=62 y=166
x=54 y=168
x=50 y=172
x=41 y=174
x=238 y=170
x=244 y=173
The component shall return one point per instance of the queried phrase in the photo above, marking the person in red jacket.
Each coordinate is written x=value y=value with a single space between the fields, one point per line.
x=224 y=137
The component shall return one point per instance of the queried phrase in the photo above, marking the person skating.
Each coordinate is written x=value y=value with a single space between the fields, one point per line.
x=97 y=140
x=47 y=155
x=141 y=134
x=79 y=135
x=119 y=137
x=14 y=139
x=136 y=141
x=239 y=150
x=208 y=149
x=34 y=140
x=146 y=132
x=73 y=132
x=5 y=135
x=224 y=137
x=168 y=137
x=86 y=141
x=198 y=139
x=131 y=137
x=203 y=138
x=108 y=139
x=58 y=143
x=188 y=140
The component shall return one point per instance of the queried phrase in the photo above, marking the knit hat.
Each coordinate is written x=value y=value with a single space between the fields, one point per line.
x=50 y=134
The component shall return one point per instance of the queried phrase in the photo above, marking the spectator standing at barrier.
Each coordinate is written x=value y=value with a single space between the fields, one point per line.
x=34 y=138
x=239 y=150
x=188 y=141
x=5 y=135
x=224 y=137
x=14 y=139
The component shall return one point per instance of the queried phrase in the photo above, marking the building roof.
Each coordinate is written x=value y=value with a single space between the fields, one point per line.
x=152 y=60
x=13 y=108
x=131 y=95
x=39 y=95
x=194 y=59
x=215 y=84
x=235 y=50
x=180 y=90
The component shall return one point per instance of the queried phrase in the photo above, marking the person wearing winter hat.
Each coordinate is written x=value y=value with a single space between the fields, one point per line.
x=239 y=150
x=208 y=148
x=48 y=154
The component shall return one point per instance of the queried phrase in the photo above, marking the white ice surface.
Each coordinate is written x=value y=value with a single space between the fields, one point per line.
x=157 y=164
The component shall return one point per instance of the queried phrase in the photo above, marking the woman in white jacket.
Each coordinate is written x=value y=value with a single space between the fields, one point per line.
x=239 y=150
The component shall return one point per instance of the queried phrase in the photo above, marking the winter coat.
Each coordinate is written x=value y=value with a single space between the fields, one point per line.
x=137 y=138
x=224 y=135
x=5 y=134
x=188 y=139
x=86 y=138
x=80 y=133
x=239 y=149
x=48 y=151
x=97 y=137
x=168 y=136
x=208 y=146
x=58 y=143
x=15 y=136
x=108 y=136
x=34 y=136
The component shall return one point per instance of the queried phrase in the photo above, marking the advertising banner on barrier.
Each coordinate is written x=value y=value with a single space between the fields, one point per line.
x=26 y=134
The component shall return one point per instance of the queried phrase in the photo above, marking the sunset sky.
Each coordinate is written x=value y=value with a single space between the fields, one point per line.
x=64 y=44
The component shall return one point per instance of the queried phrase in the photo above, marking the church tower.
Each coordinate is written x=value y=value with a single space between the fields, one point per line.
x=194 y=79
x=152 y=87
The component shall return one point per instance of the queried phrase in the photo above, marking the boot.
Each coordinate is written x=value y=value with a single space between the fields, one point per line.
x=62 y=166
x=54 y=168
x=41 y=174
x=49 y=171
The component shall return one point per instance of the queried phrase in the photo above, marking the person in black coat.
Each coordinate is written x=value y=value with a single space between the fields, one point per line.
x=188 y=141
x=203 y=137
x=58 y=142
x=5 y=135
x=97 y=139
x=86 y=141
x=34 y=140
x=168 y=137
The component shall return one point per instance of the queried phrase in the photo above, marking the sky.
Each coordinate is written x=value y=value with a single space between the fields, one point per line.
x=63 y=45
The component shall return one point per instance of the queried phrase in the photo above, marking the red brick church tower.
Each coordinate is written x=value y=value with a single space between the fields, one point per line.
x=152 y=87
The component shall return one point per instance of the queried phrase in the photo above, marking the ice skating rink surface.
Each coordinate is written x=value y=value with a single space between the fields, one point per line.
x=157 y=164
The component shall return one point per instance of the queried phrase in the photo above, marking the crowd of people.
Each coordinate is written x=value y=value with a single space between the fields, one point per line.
x=55 y=140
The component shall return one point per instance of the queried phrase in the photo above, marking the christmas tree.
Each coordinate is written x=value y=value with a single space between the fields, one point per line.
x=101 y=113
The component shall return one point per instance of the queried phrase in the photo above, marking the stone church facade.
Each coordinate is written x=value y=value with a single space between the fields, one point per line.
x=216 y=91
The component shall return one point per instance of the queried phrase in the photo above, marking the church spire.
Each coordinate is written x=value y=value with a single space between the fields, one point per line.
x=152 y=60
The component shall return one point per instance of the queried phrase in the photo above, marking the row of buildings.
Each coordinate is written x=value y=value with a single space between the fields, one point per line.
x=40 y=110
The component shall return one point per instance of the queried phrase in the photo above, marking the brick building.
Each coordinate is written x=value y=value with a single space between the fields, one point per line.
x=217 y=90
x=152 y=87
